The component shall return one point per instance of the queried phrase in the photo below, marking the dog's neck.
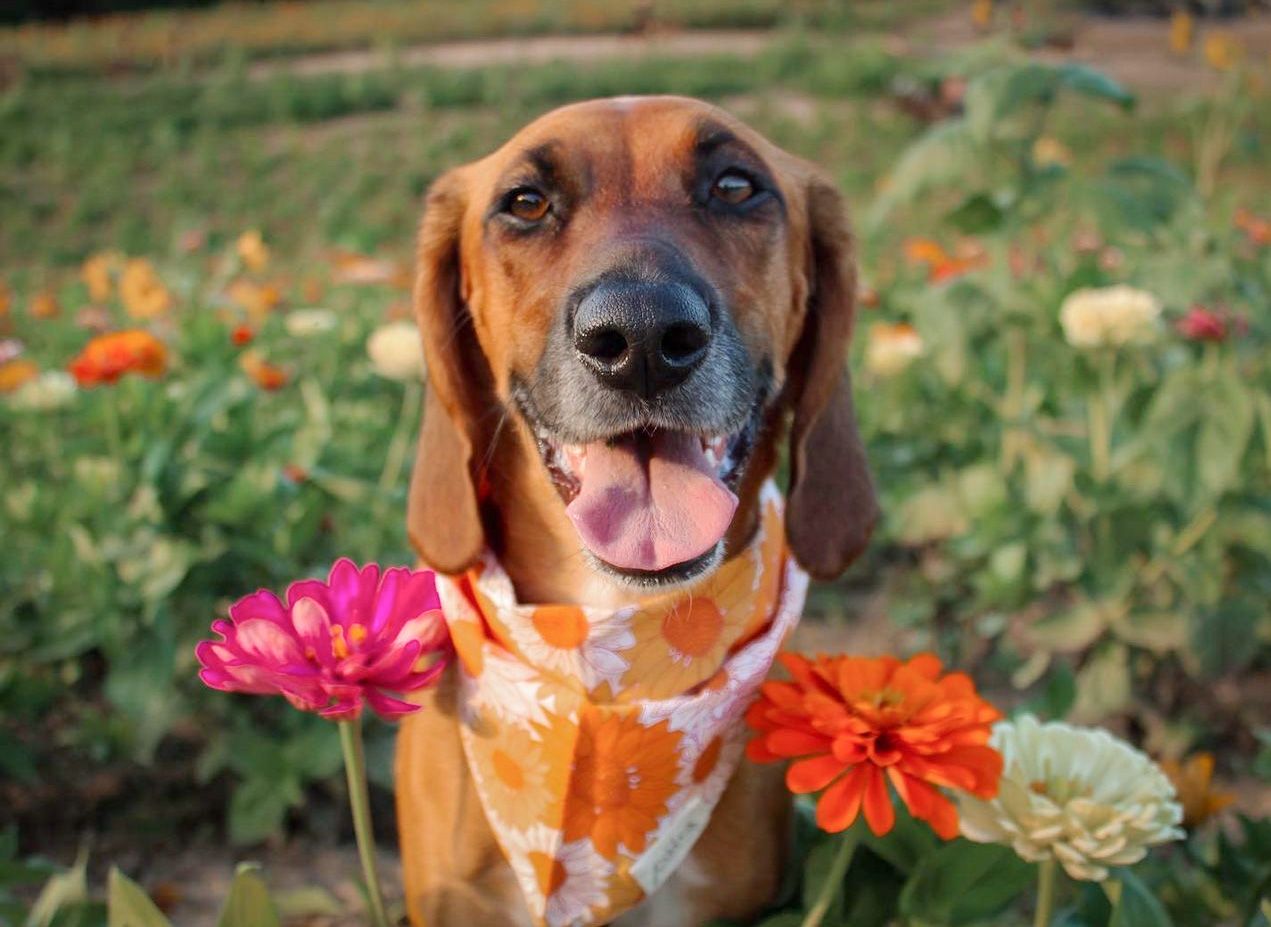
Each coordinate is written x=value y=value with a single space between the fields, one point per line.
x=539 y=549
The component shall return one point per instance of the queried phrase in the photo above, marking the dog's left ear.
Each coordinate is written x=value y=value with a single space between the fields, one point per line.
x=832 y=508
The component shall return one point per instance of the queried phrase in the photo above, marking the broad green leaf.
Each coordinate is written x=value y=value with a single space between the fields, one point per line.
x=784 y=919
x=60 y=892
x=1103 y=685
x=309 y=901
x=1224 y=434
x=1089 y=82
x=1072 y=630
x=1048 y=476
x=248 y=904
x=258 y=807
x=944 y=154
x=820 y=861
x=976 y=214
x=964 y=882
x=1160 y=631
x=129 y=906
x=1133 y=904
x=1144 y=192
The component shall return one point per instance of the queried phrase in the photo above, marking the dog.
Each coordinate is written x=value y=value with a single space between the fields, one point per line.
x=626 y=310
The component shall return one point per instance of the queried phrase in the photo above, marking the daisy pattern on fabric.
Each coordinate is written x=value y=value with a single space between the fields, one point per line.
x=510 y=691
x=1077 y=795
x=515 y=771
x=566 y=880
x=585 y=644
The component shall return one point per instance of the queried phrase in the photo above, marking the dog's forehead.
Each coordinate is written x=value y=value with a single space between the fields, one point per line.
x=638 y=133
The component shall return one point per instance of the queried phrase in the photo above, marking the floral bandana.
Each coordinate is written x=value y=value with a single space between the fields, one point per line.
x=600 y=740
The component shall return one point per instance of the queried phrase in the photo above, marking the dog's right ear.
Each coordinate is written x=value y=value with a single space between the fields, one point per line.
x=444 y=512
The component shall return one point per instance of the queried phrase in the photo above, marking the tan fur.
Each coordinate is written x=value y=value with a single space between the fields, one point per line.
x=484 y=311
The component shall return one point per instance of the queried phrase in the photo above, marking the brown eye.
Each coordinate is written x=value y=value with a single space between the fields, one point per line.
x=733 y=187
x=528 y=205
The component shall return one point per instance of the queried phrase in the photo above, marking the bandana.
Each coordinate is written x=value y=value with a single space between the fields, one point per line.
x=601 y=739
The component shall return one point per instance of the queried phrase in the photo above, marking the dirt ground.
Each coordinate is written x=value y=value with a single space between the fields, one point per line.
x=318 y=886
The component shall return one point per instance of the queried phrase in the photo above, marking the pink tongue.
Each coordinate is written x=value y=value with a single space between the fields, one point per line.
x=653 y=510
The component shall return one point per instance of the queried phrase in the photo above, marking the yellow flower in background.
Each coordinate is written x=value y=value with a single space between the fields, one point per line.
x=252 y=249
x=1193 y=781
x=1077 y=795
x=891 y=348
x=52 y=389
x=258 y=299
x=1181 y=30
x=1049 y=151
x=17 y=373
x=1222 y=51
x=396 y=352
x=1110 y=316
x=982 y=13
x=143 y=294
x=98 y=273
x=44 y=305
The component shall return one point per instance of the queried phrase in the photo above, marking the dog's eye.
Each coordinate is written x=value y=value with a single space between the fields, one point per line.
x=733 y=187
x=527 y=204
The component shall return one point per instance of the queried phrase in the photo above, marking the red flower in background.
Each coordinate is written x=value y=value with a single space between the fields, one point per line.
x=336 y=645
x=107 y=358
x=1201 y=324
x=854 y=724
x=941 y=265
x=242 y=335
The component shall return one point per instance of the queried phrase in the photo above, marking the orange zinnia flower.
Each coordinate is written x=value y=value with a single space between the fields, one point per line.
x=242 y=335
x=15 y=373
x=852 y=724
x=1256 y=229
x=941 y=265
x=262 y=373
x=108 y=357
x=1193 y=780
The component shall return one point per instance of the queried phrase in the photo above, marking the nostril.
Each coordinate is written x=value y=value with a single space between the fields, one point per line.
x=605 y=344
x=684 y=342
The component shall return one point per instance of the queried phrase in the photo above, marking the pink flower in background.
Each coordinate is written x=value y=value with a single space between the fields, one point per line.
x=334 y=645
x=1201 y=324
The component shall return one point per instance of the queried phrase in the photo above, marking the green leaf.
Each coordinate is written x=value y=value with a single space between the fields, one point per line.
x=944 y=154
x=964 y=882
x=61 y=892
x=258 y=807
x=820 y=861
x=784 y=919
x=1103 y=685
x=1091 y=83
x=1072 y=630
x=129 y=906
x=248 y=904
x=1133 y=904
x=1224 y=434
x=976 y=214
x=1144 y=192
x=1161 y=632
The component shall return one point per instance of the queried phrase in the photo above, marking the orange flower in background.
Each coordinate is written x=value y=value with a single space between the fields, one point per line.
x=143 y=294
x=853 y=724
x=108 y=357
x=44 y=305
x=982 y=13
x=16 y=373
x=98 y=273
x=1193 y=780
x=259 y=299
x=252 y=249
x=1181 y=28
x=1222 y=51
x=262 y=373
x=242 y=335
x=1256 y=229
x=941 y=265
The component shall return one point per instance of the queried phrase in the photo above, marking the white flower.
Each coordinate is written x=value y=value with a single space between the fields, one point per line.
x=1109 y=316
x=304 y=323
x=1074 y=794
x=52 y=389
x=396 y=351
x=891 y=348
x=591 y=654
x=561 y=882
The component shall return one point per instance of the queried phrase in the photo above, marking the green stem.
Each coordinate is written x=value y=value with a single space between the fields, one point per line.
x=400 y=442
x=833 y=880
x=1046 y=872
x=1101 y=410
x=110 y=413
x=360 y=805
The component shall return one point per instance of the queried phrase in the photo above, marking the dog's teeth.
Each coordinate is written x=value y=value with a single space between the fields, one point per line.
x=575 y=458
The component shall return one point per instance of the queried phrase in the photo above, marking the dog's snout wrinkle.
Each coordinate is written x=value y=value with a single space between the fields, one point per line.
x=642 y=337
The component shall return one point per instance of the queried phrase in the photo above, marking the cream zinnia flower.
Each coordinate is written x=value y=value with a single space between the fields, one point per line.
x=1109 y=316
x=396 y=351
x=1078 y=795
x=891 y=348
x=304 y=323
x=52 y=389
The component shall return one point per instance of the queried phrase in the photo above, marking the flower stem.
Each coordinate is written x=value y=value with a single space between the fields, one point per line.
x=360 y=805
x=1046 y=872
x=833 y=880
x=1101 y=419
x=114 y=438
x=400 y=441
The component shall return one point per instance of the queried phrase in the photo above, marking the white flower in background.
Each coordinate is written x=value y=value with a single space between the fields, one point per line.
x=891 y=348
x=52 y=389
x=1078 y=795
x=1109 y=316
x=396 y=351
x=10 y=349
x=304 y=323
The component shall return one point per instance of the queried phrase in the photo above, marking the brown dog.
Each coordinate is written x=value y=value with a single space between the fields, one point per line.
x=625 y=282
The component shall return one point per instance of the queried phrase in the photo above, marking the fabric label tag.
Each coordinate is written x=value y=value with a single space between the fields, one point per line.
x=666 y=853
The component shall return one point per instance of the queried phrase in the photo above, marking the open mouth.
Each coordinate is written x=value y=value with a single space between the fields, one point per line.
x=652 y=504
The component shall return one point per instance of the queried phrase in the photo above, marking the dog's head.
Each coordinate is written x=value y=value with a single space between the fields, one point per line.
x=649 y=288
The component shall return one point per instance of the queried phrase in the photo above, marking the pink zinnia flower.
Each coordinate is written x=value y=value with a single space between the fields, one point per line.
x=336 y=644
x=1201 y=324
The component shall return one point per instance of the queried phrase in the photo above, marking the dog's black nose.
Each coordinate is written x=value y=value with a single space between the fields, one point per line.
x=641 y=336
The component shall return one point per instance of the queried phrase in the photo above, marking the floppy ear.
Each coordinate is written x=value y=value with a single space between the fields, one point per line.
x=444 y=513
x=832 y=508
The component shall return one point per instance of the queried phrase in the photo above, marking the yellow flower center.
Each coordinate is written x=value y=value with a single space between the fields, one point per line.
x=339 y=646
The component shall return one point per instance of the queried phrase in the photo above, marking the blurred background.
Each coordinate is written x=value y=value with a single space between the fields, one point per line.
x=1076 y=513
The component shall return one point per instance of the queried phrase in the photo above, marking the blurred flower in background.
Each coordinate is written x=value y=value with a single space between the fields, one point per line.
x=98 y=273
x=252 y=250
x=15 y=373
x=396 y=352
x=1193 y=781
x=1111 y=316
x=264 y=374
x=1201 y=324
x=51 y=389
x=143 y=294
x=304 y=323
x=107 y=358
x=44 y=305
x=891 y=348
